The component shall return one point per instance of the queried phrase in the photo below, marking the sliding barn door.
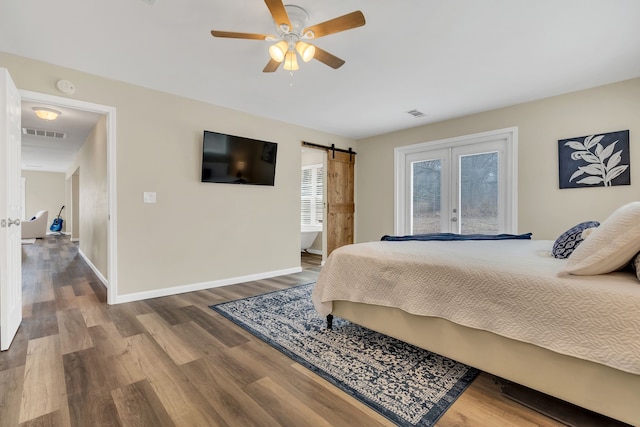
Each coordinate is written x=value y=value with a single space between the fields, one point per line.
x=340 y=199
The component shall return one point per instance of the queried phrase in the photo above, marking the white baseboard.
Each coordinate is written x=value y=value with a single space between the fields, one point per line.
x=103 y=279
x=204 y=285
x=314 y=251
x=74 y=239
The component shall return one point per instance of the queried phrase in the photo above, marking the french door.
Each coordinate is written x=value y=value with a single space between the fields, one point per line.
x=465 y=186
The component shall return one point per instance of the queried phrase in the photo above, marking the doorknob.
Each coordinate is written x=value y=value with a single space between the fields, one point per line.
x=11 y=222
x=454 y=219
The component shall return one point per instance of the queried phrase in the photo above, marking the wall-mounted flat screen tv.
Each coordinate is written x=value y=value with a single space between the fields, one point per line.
x=231 y=159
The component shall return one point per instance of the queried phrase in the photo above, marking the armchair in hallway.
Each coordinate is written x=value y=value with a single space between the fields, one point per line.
x=35 y=227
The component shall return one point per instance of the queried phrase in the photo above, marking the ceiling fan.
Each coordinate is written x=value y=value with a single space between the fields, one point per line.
x=291 y=27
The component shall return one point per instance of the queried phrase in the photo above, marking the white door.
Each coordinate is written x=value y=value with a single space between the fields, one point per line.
x=10 y=207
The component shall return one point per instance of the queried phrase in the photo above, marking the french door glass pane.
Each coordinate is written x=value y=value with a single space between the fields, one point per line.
x=479 y=193
x=426 y=185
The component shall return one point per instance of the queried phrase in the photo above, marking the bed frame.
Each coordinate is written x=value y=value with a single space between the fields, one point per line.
x=593 y=386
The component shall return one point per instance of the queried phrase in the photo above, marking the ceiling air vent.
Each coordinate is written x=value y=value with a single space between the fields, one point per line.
x=416 y=113
x=44 y=133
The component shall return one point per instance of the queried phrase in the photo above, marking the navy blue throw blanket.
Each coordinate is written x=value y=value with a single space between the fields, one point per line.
x=452 y=236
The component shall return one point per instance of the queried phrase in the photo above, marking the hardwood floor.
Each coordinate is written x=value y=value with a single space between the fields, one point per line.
x=174 y=362
x=309 y=260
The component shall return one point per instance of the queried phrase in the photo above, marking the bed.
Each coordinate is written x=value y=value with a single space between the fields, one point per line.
x=505 y=307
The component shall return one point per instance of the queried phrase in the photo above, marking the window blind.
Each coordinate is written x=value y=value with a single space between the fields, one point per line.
x=311 y=195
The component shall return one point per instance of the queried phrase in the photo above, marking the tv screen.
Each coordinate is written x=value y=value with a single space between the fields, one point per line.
x=231 y=159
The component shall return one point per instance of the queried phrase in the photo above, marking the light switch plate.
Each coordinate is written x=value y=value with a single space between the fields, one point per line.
x=149 y=197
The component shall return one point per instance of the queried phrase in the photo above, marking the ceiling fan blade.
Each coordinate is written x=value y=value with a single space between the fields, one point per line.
x=341 y=23
x=279 y=13
x=327 y=58
x=234 y=35
x=271 y=66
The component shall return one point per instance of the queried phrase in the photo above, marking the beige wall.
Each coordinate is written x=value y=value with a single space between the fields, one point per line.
x=75 y=205
x=196 y=232
x=90 y=214
x=543 y=208
x=44 y=191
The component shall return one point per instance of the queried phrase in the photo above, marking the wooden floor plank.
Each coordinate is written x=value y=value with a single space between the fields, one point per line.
x=53 y=419
x=182 y=401
x=43 y=322
x=179 y=351
x=117 y=356
x=218 y=327
x=93 y=311
x=124 y=317
x=16 y=355
x=43 y=390
x=212 y=379
x=139 y=406
x=215 y=325
x=346 y=408
x=278 y=402
x=65 y=297
x=87 y=391
x=11 y=382
x=74 y=335
x=81 y=287
x=168 y=309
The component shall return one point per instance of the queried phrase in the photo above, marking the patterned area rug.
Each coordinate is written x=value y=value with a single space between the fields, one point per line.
x=408 y=385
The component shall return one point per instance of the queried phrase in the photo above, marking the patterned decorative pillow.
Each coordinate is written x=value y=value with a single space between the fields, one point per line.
x=570 y=239
x=635 y=264
x=611 y=246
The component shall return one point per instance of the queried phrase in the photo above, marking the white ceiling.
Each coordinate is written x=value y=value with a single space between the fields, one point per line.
x=446 y=58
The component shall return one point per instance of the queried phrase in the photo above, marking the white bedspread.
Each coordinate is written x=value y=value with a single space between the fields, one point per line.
x=509 y=287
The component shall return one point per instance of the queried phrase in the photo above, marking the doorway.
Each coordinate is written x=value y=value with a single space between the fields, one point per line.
x=109 y=113
x=338 y=207
x=312 y=212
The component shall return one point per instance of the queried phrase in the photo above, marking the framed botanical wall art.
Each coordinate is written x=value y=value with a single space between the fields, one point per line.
x=600 y=160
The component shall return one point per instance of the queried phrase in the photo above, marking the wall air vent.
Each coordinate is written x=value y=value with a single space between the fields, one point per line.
x=416 y=113
x=44 y=133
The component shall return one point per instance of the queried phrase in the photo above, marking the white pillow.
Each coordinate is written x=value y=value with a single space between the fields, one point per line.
x=610 y=246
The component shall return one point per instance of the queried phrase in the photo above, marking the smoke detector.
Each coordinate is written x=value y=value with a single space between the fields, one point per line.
x=65 y=86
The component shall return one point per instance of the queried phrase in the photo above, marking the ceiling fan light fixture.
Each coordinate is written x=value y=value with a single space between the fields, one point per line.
x=306 y=51
x=278 y=51
x=290 y=61
x=46 y=113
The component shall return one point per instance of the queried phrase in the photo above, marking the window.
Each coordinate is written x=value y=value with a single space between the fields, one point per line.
x=459 y=185
x=311 y=195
